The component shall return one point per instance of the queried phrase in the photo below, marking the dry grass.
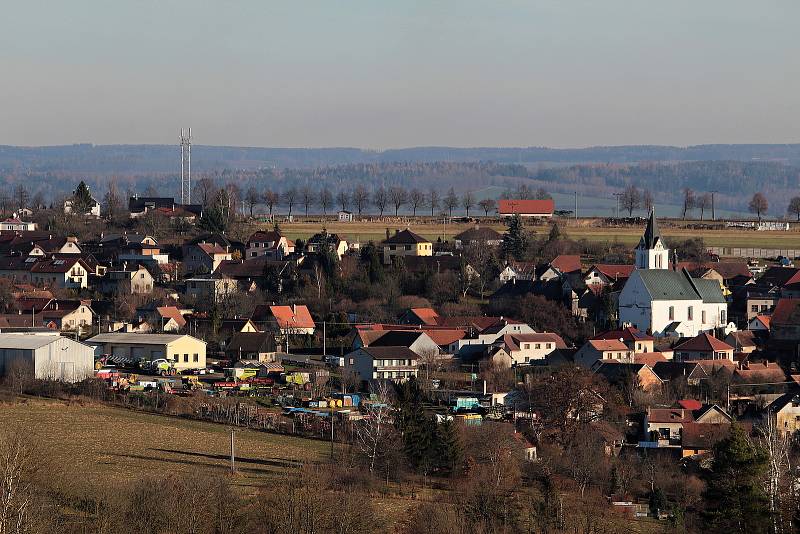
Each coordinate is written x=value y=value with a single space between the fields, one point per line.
x=589 y=229
x=101 y=447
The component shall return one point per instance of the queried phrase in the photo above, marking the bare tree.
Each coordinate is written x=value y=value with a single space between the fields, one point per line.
x=758 y=205
x=468 y=201
x=306 y=197
x=688 y=201
x=17 y=464
x=487 y=205
x=325 y=200
x=251 y=199
x=630 y=199
x=399 y=196
x=112 y=203
x=380 y=198
x=21 y=196
x=234 y=198
x=290 y=197
x=780 y=481
x=794 y=207
x=205 y=187
x=450 y=201
x=38 y=200
x=271 y=198
x=360 y=198
x=433 y=199
x=416 y=198
x=647 y=200
x=343 y=198
x=703 y=201
x=373 y=431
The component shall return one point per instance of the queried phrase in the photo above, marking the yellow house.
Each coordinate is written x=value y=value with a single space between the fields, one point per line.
x=405 y=243
x=186 y=352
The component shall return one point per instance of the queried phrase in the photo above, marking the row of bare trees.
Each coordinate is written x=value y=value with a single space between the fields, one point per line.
x=361 y=199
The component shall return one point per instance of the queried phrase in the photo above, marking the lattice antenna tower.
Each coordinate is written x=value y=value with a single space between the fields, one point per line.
x=186 y=165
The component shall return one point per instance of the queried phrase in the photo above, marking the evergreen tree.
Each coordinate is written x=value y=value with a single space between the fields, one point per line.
x=555 y=233
x=82 y=200
x=449 y=449
x=419 y=430
x=213 y=220
x=658 y=502
x=735 y=498
x=515 y=242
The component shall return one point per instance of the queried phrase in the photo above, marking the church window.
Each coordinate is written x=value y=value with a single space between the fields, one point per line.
x=672 y=313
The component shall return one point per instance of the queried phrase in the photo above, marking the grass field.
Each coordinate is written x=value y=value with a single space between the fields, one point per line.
x=585 y=228
x=102 y=447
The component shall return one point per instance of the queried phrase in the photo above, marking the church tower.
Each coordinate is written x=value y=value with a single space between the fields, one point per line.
x=651 y=252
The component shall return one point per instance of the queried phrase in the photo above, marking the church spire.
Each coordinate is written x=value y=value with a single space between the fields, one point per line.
x=651 y=233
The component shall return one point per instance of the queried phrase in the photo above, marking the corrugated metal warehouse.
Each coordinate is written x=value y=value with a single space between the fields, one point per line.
x=186 y=351
x=51 y=356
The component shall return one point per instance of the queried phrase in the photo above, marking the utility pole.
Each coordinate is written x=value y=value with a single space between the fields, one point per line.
x=233 y=451
x=332 y=432
x=713 y=215
x=576 y=204
x=324 y=344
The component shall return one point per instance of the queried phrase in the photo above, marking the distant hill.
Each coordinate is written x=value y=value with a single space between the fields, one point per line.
x=125 y=159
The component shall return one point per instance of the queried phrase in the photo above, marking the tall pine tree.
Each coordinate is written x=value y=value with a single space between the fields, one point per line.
x=515 y=241
x=735 y=499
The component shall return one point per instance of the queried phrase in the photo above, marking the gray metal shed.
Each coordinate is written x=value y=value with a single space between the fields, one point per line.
x=50 y=356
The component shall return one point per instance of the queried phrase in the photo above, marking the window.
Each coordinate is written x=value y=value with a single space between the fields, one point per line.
x=722 y=316
x=408 y=247
x=141 y=275
x=538 y=345
x=690 y=313
x=672 y=313
x=195 y=357
x=176 y=357
x=764 y=307
x=186 y=358
x=527 y=346
x=703 y=317
x=547 y=345
x=754 y=308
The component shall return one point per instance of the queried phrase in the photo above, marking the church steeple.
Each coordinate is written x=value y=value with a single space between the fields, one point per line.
x=651 y=252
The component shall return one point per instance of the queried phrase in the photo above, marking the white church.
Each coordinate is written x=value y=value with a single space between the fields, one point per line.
x=665 y=301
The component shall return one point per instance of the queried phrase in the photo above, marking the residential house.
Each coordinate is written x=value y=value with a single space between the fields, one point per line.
x=382 y=363
x=703 y=347
x=743 y=341
x=60 y=272
x=67 y=315
x=596 y=350
x=526 y=208
x=405 y=243
x=204 y=257
x=622 y=374
x=604 y=274
x=94 y=207
x=759 y=373
x=322 y=241
x=272 y=244
x=419 y=316
x=345 y=216
x=760 y=323
x=527 y=348
x=127 y=279
x=518 y=270
x=478 y=236
x=785 y=321
x=139 y=206
x=211 y=287
x=258 y=346
x=14 y=224
x=418 y=341
x=292 y=320
x=785 y=410
x=637 y=341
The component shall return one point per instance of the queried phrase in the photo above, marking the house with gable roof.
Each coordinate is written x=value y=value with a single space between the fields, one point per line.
x=405 y=243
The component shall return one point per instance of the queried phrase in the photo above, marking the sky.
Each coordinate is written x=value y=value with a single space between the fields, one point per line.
x=387 y=74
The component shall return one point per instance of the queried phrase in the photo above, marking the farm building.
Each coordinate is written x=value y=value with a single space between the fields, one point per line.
x=49 y=355
x=185 y=351
x=526 y=208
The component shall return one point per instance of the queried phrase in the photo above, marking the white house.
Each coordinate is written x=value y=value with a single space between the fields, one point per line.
x=15 y=224
x=661 y=301
x=345 y=216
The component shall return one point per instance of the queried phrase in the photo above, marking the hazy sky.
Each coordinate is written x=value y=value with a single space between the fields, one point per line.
x=387 y=73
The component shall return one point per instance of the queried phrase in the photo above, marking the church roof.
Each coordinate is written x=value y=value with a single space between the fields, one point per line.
x=709 y=290
x=663 y=284
x=652 y=234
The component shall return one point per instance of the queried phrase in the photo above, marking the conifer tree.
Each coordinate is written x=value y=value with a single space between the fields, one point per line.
x=449 y=449
x=515 y=241
x=735 y=498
